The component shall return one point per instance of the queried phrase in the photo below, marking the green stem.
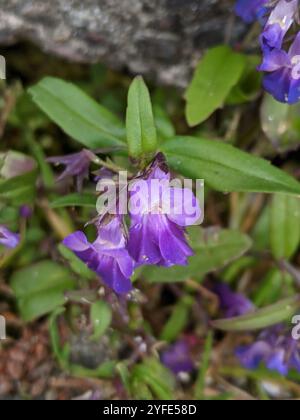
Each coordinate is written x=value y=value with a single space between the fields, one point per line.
x=200 y=385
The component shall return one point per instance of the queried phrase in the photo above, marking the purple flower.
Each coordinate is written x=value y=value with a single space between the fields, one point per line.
x=25 y=211
x=159 y=214
x=275 y=349
x=107 y=256
x=8 y=238
x=278 y=24
x=77 y=165
x=233 y=304
x=250 y=10
x=177 y=358
x=283 y=68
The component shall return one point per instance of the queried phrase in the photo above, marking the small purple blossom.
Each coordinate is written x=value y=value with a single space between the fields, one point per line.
x=25 y=212
x=250 y=10
x=282 y=67
x=275 y=349
x=177 y=358
x=158 y=220
x=107 y=256
x=77 y=165
x=157 y=234
x=232 y=304
x=8 y=238
x=278 y=24
x=283 y=73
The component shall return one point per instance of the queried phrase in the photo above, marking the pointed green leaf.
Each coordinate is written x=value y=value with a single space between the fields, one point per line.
x=77 y=114
x=140 y=125
x=40 y=288
x=178 y=320
x=262 y=318
x=157 y=378
x=101 y=316
x=217 y=72
x=226 y=168
x=285 y=225
x=75 y=200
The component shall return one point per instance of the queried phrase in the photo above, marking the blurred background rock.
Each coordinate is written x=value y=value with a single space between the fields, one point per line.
x=161 y=39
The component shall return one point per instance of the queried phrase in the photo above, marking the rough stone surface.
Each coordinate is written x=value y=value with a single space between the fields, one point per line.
x=161 y=39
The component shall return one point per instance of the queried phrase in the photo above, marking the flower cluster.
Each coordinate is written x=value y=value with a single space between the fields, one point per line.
x=275 y=348
x=279 y=43
x=156 y=236
x=250 y=10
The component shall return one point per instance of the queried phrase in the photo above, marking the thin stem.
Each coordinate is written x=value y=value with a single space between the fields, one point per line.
x=110 y=165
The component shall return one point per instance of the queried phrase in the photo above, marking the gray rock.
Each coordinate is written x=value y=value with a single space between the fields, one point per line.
x=161 y=39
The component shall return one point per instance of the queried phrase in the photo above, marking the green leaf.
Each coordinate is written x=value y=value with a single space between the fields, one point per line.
x=101 y=316
x=178 y=320
x=124 y=373
x=216 y=74
x=77 y=114
x=38 y=152
x=157 y=378
x=261 y=231
x=213 y=250
x=62 y=354
x=281 y=123
x=226 y=168
x=262 y=318
x=75 y=200
x=285 y=225
x=249 y=86
x=40 y=288
x=75 y=263
x=235 y=269
x=20 y=189
x=271 y=287
x=105 y=370
x=18 y=174
x=204 y=366
x=165 y=128
x=140 y=126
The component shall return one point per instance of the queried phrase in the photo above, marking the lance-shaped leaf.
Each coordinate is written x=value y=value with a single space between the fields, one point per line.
x=218 y=71
x=156 y=377
x=101 y=316
x=40 y=288
x=140 y=125
x=178 y=320
x=285 y=225
x=80 y=116
x=226 y=168
x=75 y=200
x=262 y=318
